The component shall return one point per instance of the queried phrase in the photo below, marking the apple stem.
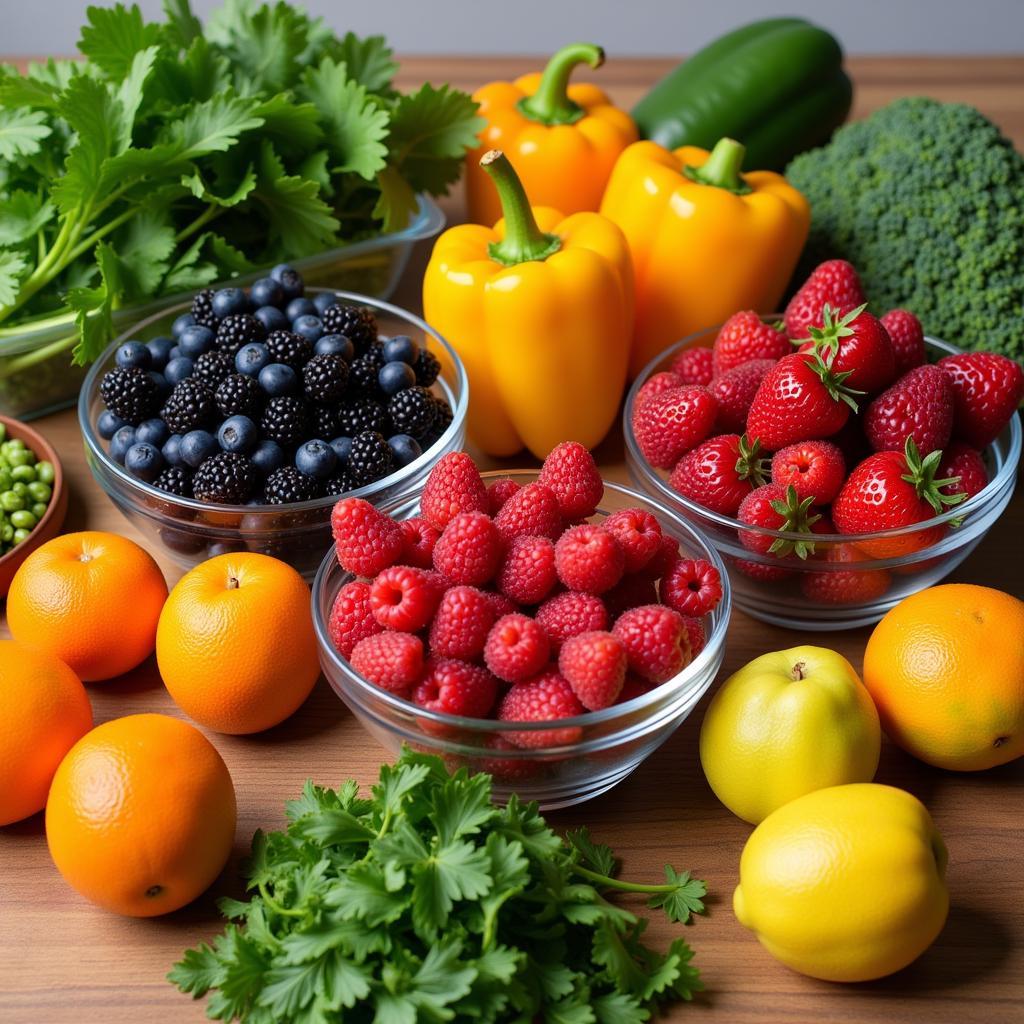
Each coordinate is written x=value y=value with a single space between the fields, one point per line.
x=798 y=671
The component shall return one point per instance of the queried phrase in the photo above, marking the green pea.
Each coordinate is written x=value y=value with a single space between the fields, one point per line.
x=40 y=491
x=5 y=479
x=45 y=472
x=13 y=445
x=20 y=488
x=39 y=509
x=6 y=533
x=11 y=501
x=3 y=432
x=23 y=520
x=24 y=473
x=20 y=535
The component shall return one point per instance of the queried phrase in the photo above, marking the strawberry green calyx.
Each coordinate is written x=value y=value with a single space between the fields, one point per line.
x=795 y=519
x=833 y=380
x=833 y=328
x=921 y=473
x=749 y=465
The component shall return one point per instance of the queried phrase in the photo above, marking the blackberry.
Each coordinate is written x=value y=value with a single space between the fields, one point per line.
x=412 y=411
x=226 y=478
x=325 y=378
x=370 y=458
x=130 y=392
x=237 y=330
x=287 y=484
x=175 y=480
x=427 y=367
x=357 y=323
x=358 y=414
x=364 y=370
x=238 y=395
x=189 y=407
x=212 y=367
x=202 y=309
x=340 y=483
x=442 y=420
x=285 y=420
x=289 y=348
x=326 y=420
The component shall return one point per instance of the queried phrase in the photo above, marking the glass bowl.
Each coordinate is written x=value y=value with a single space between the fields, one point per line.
x=191 y=531
x=605 y=745
x=789 y=591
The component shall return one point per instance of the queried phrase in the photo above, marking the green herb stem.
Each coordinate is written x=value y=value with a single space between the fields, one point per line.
x=100 y=233
x=210 y=213
x=16 y=364
x=276 y=907
x=614 y=883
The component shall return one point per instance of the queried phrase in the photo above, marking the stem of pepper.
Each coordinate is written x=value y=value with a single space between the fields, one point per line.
x=550 y=104
x=524 y=240
x=722 y=168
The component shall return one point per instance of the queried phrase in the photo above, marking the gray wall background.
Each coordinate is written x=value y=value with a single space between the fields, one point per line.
x=624 y=27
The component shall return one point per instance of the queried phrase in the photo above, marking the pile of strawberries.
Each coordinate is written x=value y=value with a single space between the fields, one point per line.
x=863 y=434
x=504 y=601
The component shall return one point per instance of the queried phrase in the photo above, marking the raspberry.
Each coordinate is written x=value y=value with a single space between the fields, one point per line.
x=352 y=617
x=517 y=647
x=668 y=554
x=455 y=687
x=655 y=385
x=499 y=492
x=460 y=627
x=638 y=534
x=595 y=665
x=814 y=469
x=631 y=591
x=393 y=661
x=528 y=573
x=692 y=587
x=634 y=687
x=695 y=634
x=454 y=486
x=655 y=640
x=572 y=475
x=404 y=598
x=420 y=538
x=569 y=614
x=501 y=603
x=469 y=549
x=508 y=769
x=589 y=558
x=694 y=366
x=531 y=512
x=547 y=697
x=365 y=539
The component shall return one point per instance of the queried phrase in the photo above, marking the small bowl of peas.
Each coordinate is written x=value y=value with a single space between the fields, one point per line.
x=33 y=498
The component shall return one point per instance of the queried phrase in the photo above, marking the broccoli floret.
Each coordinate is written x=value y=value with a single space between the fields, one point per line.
x=926 y=200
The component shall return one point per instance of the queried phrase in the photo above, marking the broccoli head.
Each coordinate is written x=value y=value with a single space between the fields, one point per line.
x=926 y=200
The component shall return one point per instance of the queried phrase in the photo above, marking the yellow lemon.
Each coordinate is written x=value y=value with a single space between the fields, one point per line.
x=846 y=883
x=788 y=723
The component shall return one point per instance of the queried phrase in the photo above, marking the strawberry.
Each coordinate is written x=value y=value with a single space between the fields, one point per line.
x=774 y=507
x=674 y=422
x=801 y=399
x=814 y=469
x=964 y=464
x=656 y=384
x=987 y=388
x=907 y=337
x=735 y=390
x=845 y=586
x=918 y=405
x=835 y=282
x=745 y=336
x=760 y=571
x=694 y=365
x=720 y=473
x=854 y=343
x=889 y=490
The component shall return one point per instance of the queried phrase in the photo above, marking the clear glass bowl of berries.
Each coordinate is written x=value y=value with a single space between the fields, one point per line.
x=829 y=530
x=546 y=627
x=235 y=421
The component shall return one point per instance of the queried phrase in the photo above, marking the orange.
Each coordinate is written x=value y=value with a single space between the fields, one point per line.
x=141 y=815
x=91 y=599
x=946 y=670
x=235 y=645
x=43 y=711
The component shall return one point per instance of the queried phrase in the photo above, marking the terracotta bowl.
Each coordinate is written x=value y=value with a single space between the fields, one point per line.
x=47 y=527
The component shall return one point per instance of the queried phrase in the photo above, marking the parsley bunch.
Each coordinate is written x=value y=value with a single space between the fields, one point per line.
x=177 y=155
x=427 y=902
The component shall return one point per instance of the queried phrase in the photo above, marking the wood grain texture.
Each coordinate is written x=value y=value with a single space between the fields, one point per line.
x=61 y=960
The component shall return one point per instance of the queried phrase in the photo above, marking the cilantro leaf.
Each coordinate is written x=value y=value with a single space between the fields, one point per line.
x=685 y=898
x=188 y=271
x=114 y=35
x=397 y=201
x=365 y=894
x=198 y=971
x=12 y=268
x=593 y=855
x=368 y=61
x=21 y=132
x=461 y=807
x=93 y=307
x=619 y=1008
x=183 y=28
x=144 y=246
x=197 y=186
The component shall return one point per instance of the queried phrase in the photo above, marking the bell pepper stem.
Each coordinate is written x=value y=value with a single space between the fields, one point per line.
x=722 y=168
x=524 y=241
x=550 y=104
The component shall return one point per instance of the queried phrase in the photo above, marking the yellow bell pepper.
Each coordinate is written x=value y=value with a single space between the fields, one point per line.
x=706 y=241
x=563 y=140
x=540 y=310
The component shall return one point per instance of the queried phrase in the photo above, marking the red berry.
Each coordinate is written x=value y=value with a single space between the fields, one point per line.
x=501 y=603
x=734 y=391
x=774 y=507
x=394 y=661
x=761 y=571
x=845 y=586
x=907 y=337
x=420 y=538
x=365 y=539
x=631 y=591
x=546 y=697
x=634 y=687
x=918 y=405
x=655 y=385
x=655 y=639
x=834 y=282
x=855 y=344
x=352 y=617
x=460 y=627
x=454 y=486
x=527 y=574
x=965 y=464
x=638 y=533
x=508 y=769
x=987 y=388
x=664 y=559
x=692 y=587
x=454 y=687
x=498 y=493
x=517 y=647
x=814 y=469
x=574 y=479
x=595 y=665
x=694 y=365
x=569 y=614
x=745 y=336
x=469 y=549
x=673 y=422
x=695 y=634
x=404 y=598
x=720 y=472
x=589 y=558
x=531 y=512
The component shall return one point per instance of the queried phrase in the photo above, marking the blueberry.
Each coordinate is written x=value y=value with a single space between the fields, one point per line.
x=266 y=292
x=171 y=450
x=228 y=301
x=108 y=424
x=323 y=301
x=308 y=327
x=278 y=379
x=404 y=448
x=178 y=369
x=267 y=457
x=299 y=307
x=289 y=279
x=195 y=340
x=122 y=440
x=251 y=358
x=159 y=351
x=154 y=432
x=342 y=446
x=272 y=319
x=335 y=345
x=316 y=459
x=180 y=323
x=197 y=446
x=163 y=385
x=238 y=434
x=400 y=349
x=395 y=377
x=144 y=461
x=133 y=353
x=175 y=353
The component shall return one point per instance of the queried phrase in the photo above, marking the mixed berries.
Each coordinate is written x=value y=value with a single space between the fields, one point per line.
x=268 y=396
x=514 y=602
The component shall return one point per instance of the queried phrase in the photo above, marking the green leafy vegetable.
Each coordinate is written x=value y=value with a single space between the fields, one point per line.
x=429 y=903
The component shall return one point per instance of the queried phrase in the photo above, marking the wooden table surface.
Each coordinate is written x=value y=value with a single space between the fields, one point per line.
x=62 y=960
